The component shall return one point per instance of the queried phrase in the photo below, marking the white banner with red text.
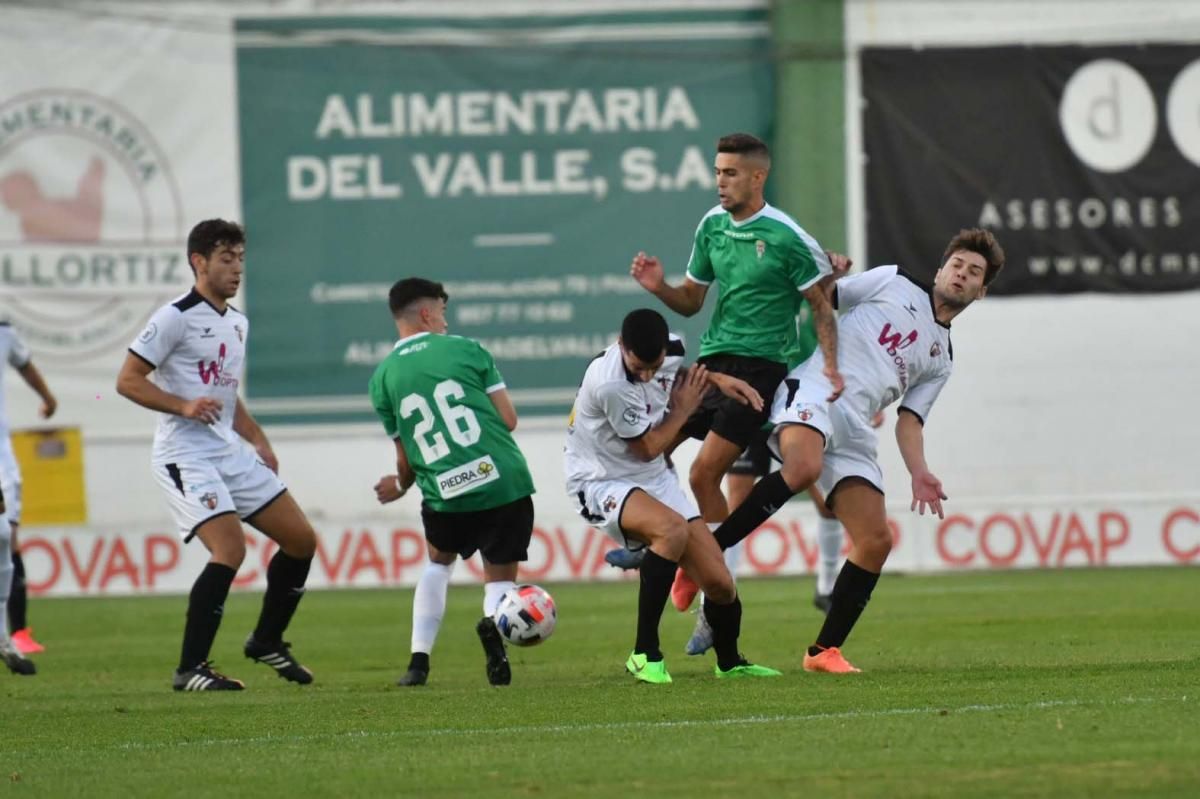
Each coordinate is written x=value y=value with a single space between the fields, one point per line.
x=374 y=552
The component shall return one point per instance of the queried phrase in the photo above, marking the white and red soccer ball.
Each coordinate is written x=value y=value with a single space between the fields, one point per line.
x=526 y=615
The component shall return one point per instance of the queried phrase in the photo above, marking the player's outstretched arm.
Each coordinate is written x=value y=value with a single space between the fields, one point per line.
x=686 y=299
x=825 y=323
x=686 y=394
x=248 y=428
x=133 y=383
x=926 y=488
x=33 y=377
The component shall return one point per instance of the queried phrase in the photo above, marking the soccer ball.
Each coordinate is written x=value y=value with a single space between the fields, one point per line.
x=525 y=615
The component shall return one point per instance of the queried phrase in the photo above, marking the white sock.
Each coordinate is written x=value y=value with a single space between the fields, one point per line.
x=6 y=574
x=429 y=605
x=492 y=592
x=829 y=543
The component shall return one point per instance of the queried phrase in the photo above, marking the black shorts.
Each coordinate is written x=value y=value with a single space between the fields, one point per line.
x=501 y=534
x=755 y=460
x=727 y=417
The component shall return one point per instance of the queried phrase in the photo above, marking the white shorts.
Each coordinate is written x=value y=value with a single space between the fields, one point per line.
x=204 y=488
x=851 y=445
x=600 y=502
x=10 y=481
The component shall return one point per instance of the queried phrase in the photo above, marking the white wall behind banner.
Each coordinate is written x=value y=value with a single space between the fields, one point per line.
x=1066 y=437
x=116 y=135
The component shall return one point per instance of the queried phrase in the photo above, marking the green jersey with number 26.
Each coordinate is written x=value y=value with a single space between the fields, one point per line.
x=431 y=393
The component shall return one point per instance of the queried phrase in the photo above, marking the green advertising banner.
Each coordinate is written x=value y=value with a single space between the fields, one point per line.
x=520 y=161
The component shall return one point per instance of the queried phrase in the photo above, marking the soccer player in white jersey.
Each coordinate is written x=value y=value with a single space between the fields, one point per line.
x=13 y=602
x=213 y=462
x=894 y=340
x=634 y=399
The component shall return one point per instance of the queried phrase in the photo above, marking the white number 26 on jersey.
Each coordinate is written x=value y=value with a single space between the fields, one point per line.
x=459 y=420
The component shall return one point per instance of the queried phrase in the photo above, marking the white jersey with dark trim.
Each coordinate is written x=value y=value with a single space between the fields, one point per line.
x=14 y=351
x=612 y=408
x=196 y=351
x=890 y=345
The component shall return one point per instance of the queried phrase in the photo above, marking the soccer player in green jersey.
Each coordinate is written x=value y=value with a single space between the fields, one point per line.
x=766 y=265
x=444 y=404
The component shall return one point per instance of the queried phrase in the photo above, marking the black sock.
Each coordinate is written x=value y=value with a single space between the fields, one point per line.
x=657 y=574
x=205 y=606
x=850 y=595
x=767 y=496
x=18 y=598
x=285 y=589
x=726 y=624
x=419 y=661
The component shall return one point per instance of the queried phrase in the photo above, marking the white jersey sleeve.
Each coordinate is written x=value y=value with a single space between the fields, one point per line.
x=18 y=351
x=920 y=396
x=853 y=289
x=624 y=407
x=160 y=335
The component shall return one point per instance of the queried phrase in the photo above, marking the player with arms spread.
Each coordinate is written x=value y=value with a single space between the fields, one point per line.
x=895 y=345
x=766 y=266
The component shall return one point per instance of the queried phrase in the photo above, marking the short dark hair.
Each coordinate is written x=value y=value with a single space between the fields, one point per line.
x=979 y=241
x=407 y=291
x=644 y=333
x=210 y=234
x=744 y=144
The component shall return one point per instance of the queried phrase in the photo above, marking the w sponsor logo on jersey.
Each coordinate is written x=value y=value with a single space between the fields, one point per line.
x=212 y=372
x=468 y=477
x=895 y=340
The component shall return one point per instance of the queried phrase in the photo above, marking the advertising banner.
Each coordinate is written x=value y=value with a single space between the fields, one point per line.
x=373 y=553
x=1085 y=161
x=521 y=161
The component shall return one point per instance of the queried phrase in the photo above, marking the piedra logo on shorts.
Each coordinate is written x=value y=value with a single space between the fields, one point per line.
x=468 y=477
x=91 y=222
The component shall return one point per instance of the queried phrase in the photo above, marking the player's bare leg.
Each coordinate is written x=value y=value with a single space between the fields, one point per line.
x=429 y=606
x=716 y=455
x=860 y=507
x=666 y=534
x=801 y=447
x=722 y=607
x=283 y=522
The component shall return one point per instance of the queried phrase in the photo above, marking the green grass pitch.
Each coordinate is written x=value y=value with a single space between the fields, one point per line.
x=1068 y=683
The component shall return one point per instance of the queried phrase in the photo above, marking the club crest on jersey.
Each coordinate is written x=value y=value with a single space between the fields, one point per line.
x=610 y=502
x=760 y=247
x=804 y=414
x=209 y=500
x=935 y=350
x=461 y=479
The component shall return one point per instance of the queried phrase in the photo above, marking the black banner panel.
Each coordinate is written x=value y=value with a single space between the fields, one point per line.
x=1084 y=161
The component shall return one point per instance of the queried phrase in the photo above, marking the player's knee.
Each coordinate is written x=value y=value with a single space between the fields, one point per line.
x=703 y=477
x=673 y=536
x=720 y=590
x=303 y=545
x=800 y=473
x=230 y=552
x=877 y=543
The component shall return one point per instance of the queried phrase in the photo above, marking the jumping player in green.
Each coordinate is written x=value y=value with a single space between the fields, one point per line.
x=444 y=404
x=766 y=265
